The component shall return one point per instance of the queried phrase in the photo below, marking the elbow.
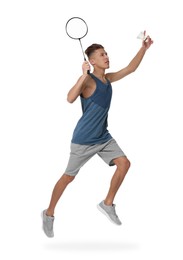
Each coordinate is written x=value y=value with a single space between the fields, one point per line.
x=70 y=99
x=132 y=69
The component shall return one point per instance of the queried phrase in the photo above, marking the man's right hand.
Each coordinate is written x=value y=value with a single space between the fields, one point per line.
x=85 y=67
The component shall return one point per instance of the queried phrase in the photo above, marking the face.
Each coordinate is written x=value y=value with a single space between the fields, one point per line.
x=100 y=59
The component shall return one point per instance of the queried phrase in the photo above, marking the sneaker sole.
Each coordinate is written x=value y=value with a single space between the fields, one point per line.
x=103 y=211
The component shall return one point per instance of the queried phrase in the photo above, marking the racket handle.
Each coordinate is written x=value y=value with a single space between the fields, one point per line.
x=88 y=72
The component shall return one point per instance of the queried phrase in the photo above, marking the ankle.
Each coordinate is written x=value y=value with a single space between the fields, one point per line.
x=108 y=202
x=49 y=213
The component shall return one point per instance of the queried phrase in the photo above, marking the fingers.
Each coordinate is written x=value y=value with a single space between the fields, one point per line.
x=148 y=39
x=85 y=67
x=147 y=42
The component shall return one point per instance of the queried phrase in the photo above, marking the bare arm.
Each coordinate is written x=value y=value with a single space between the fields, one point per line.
x=77 y=89
x=133 y=65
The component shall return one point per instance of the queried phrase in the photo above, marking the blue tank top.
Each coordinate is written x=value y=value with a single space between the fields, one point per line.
x=92 y=126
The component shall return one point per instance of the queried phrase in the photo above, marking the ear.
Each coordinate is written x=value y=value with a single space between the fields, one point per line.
x=92 y=61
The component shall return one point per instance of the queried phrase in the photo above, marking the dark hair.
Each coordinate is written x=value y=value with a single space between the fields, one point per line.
x=93 y=48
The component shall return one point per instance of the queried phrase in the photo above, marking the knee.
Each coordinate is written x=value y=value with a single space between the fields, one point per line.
x=127 y=164
x=68 y=178
x=123 y=164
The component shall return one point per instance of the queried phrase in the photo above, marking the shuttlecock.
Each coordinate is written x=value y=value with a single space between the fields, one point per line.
x=141 y=36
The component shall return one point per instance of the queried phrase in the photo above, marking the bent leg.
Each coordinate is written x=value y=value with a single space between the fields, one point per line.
x=123 y=165
x=57 y=192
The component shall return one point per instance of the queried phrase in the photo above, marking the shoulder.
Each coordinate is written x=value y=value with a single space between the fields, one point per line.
x=109 y=77
x=89 y=82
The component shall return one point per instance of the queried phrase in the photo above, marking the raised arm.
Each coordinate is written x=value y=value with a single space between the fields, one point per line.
x=77 y=89
x=133 y=65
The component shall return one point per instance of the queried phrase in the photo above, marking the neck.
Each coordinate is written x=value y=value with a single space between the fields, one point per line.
x=99 y=73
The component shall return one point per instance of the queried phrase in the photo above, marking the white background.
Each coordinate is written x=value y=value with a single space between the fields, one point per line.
x=38 y=65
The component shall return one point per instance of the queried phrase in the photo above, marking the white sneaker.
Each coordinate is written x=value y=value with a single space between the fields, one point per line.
x=47 y=224
x=110 y=212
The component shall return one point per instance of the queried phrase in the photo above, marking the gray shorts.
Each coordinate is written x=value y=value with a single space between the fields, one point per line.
x=80 y=154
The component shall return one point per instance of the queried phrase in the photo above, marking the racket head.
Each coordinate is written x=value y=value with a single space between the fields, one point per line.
x=76 y=28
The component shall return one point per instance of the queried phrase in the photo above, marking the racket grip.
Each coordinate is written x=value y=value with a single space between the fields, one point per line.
x=88 y=72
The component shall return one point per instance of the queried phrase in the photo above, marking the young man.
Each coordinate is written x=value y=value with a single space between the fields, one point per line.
x=91 y=136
